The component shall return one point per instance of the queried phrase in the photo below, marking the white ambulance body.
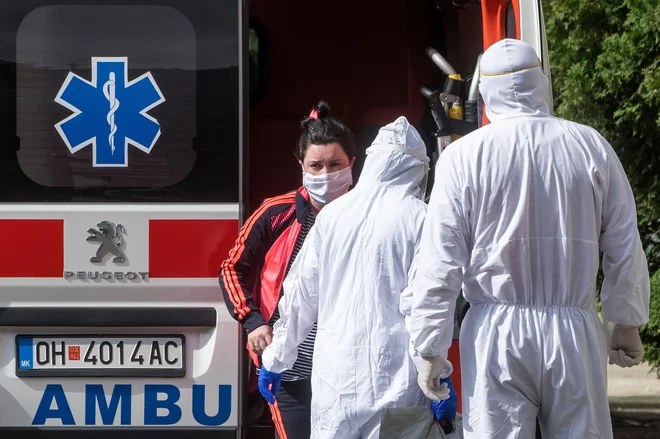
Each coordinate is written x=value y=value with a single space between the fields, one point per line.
x=122 y=126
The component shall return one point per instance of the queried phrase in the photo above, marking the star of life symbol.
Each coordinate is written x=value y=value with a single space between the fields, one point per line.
x=109 y=112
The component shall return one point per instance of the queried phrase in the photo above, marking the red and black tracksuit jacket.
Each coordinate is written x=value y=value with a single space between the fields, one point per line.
x=251 y=277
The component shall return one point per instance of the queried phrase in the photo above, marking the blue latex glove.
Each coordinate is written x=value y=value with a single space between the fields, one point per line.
x=269 y=382
x=445 y=410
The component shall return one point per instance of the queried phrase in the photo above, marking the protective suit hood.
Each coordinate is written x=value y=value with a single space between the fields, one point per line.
x=397 y=157
x=512 y=81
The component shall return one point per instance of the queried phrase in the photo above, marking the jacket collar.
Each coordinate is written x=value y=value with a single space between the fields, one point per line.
x=303 y=206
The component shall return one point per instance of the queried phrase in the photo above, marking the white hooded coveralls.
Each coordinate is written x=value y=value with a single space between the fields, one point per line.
x=349 y=276
x=518 y=213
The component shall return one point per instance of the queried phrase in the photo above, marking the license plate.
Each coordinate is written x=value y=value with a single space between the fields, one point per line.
x=100 y=356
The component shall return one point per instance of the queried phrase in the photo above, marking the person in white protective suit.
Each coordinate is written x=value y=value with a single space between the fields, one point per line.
x=517 y=215
x=350 y=275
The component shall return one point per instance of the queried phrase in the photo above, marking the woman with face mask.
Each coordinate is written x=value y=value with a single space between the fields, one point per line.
x=251 y=277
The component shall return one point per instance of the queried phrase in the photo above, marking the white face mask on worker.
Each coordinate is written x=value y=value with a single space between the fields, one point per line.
x=325 y=188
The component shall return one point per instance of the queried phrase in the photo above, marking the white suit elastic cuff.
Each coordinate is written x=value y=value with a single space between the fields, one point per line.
x=270 y=362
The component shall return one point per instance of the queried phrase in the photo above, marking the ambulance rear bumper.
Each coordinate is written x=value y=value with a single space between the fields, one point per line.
x=123 y=433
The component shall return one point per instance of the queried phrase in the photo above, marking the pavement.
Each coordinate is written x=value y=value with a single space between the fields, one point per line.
x=634 y=396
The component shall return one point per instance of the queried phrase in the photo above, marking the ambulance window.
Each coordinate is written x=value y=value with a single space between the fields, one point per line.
x=510 y=24
x=103 y=101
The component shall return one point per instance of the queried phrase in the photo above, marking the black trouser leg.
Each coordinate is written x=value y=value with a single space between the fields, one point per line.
x=291 y=412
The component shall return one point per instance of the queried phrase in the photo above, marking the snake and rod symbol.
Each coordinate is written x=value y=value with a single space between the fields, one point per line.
x=109 y=92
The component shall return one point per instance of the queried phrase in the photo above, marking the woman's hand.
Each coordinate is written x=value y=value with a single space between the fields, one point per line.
x=260 y=338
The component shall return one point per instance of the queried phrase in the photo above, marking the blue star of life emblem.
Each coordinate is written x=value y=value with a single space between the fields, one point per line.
x=109 y=112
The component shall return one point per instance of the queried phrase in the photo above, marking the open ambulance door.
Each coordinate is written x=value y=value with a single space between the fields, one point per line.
x=520 y=19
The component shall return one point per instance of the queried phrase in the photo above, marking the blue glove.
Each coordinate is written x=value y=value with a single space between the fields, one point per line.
x=269 y=382
x=445 y=410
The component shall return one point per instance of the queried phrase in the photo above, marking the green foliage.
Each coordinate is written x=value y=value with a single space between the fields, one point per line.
x=650 y=332
x=605 y=61
x=649 y=229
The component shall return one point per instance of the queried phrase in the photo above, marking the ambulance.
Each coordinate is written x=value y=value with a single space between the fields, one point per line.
x=131 y=132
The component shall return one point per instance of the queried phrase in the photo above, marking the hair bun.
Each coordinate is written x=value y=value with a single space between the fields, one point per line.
x=323 y=109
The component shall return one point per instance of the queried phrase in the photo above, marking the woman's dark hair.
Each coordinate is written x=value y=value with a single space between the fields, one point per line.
x=324 y=129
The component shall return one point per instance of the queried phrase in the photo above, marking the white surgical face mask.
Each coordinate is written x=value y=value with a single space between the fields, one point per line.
x=325 y=188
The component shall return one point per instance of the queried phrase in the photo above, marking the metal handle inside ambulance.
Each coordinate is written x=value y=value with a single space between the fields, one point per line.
x=451 y=95
x=439 y=113
x=446 y=124
x=440 y=61
x=471 y=110
x=453 y=121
